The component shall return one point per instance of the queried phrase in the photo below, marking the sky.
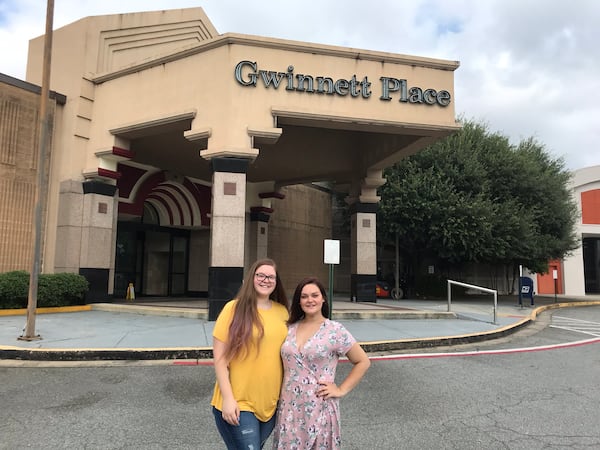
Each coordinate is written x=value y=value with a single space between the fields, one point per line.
x=528 y=68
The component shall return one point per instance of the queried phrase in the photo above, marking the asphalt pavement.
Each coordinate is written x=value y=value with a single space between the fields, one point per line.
x=155 y=329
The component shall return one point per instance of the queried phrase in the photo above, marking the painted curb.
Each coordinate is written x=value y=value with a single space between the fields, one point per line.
x=202 y=353
x=164 y=311
x=54 y=310
x=387 y=314
x=104 y=354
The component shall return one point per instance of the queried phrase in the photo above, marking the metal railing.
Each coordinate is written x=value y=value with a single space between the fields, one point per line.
x=471 y=286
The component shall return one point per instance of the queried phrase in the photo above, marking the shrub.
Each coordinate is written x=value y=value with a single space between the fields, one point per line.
x=14 y=289
x=58 y=289
x=62 y=289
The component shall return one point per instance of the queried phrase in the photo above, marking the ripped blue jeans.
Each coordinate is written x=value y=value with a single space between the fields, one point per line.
x=250 y=434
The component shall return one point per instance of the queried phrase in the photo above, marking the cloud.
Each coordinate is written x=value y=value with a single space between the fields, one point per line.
x=528 y=67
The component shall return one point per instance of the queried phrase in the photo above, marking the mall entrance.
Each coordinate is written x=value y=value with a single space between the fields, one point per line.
x=153 y=258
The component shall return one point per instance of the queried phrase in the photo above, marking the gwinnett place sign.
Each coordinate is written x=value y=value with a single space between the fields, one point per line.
x=248 y=74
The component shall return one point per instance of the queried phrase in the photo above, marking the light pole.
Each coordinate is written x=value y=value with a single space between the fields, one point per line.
x=29 y=334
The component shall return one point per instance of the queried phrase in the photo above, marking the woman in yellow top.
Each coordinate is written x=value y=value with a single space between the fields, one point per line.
x=247 y=339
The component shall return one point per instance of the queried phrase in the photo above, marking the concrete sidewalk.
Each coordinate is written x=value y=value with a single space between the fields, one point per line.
x=150 y=330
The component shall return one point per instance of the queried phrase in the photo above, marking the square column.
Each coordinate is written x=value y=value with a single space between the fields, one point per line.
x=363 y=255
x=258 y=228
x=227 y=231
x=258 y=244
x=86 y=234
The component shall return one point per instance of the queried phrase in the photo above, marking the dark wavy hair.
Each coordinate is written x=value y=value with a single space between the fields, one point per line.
x=246 y=315
x=296 y=312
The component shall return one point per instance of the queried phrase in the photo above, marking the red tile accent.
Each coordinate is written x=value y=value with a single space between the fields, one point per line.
x=590 y=207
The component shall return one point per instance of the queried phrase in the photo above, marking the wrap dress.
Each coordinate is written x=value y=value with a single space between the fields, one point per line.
x=305 y=421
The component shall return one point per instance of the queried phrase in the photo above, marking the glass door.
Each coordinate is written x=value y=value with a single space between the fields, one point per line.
x=154 y=259
x=156 y=264
x=179 y=265
x=127 y=261
x=591 y=265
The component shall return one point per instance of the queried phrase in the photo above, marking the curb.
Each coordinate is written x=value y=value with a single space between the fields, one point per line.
x=202 y=314
x=104 y=354
x=445 y=341
x=51 y=310
x=18 y=353
x=164 y=311
x=337 y=315
x=203 y=353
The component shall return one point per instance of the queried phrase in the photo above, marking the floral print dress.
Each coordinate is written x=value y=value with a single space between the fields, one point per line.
x=305 y=421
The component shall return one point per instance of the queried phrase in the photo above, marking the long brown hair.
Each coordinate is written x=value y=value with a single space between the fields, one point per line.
x=246 y=317
x=296 y=312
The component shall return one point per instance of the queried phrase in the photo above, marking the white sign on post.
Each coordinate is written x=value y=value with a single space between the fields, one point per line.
x=555 y=274
x=331 y=252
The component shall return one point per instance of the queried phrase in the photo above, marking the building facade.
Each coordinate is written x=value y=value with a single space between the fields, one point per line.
x=580 y=272
x=182 y=155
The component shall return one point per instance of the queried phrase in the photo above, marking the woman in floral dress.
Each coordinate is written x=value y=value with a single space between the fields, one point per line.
x=308 y=416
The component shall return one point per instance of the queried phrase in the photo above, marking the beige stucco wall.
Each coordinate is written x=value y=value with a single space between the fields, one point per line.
x=297 y=229
x=102 y=44
x=203 y=82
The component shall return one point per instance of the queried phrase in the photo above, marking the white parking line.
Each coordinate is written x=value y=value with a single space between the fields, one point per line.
x=576 y=325
x=487 y=352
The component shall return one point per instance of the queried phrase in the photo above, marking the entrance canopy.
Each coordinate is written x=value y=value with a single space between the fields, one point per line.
x=166 y=87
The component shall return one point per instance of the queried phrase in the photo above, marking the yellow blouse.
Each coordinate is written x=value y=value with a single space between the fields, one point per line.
x=255 y=379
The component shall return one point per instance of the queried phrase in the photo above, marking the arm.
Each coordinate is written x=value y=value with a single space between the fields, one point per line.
x=361 y=364
x=230 y=410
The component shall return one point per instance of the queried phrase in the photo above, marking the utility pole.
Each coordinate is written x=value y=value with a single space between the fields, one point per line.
x=29 y=334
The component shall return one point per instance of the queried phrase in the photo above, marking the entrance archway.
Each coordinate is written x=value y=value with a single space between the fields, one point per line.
x=158 y=213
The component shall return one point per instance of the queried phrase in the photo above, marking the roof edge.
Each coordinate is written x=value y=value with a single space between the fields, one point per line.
x=280 y=44
x=61 y=99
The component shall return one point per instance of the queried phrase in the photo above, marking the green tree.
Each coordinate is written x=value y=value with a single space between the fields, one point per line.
x=475 y=198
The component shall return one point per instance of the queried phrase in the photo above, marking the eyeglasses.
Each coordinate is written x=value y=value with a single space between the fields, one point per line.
x=264 y=277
